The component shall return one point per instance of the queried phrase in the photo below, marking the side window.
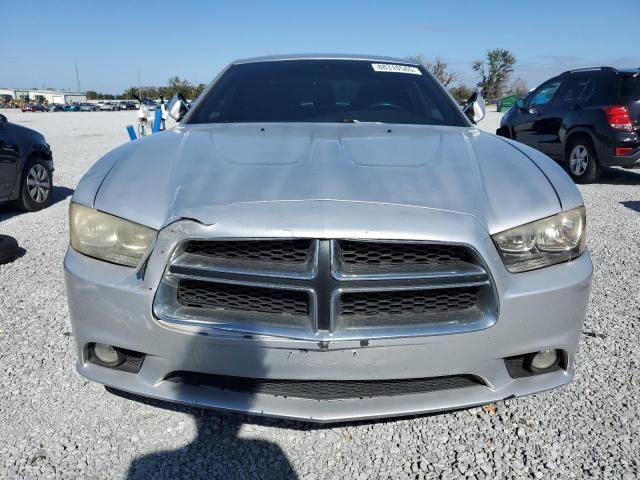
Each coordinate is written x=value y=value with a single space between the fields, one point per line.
x=545 y=93
x=577 y=88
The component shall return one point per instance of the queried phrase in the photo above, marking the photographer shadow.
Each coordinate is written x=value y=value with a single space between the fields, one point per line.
x=218 y=450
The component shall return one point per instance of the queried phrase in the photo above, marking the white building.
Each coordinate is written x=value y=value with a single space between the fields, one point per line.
x=40 y=96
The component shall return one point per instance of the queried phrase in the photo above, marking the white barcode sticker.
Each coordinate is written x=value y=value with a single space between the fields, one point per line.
x=391 y=67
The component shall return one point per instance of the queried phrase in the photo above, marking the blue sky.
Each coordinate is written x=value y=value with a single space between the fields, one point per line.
x=112 y=39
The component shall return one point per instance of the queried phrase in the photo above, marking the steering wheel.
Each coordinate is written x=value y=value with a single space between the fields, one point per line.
x=385 y=106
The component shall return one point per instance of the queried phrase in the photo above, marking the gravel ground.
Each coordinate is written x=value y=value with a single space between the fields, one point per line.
x=54 y=424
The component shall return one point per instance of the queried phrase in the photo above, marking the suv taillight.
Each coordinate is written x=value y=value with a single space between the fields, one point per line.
x=619 y=118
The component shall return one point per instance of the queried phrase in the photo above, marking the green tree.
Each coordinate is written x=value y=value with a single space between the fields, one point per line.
x=174 y=85
x=197 y=90
x=494 y=71
x=438 y=68
x=461 y=93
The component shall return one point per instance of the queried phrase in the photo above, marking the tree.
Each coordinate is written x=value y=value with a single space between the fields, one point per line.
x=494 y=72
x=147 y=92
x=518 y=87
x=174 y=85
x=438 y=68
x=461 y=93
x=197 y=90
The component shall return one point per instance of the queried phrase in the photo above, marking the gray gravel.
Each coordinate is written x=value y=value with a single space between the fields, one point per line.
x=54 y=424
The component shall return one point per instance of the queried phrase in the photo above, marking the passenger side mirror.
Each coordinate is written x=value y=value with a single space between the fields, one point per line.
x=3 y=120
x=520 y=104
x=474 y=108
x=178 y=107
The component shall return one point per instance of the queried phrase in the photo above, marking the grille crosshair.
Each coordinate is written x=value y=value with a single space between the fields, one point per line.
x=311 y=288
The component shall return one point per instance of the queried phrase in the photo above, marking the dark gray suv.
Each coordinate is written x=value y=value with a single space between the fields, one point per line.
x=26 y=167
x=588 y=118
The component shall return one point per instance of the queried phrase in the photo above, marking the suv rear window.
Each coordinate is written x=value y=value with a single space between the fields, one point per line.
x=327 y=91
x=630 y=86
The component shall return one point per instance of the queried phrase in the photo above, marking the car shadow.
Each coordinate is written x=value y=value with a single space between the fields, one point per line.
x=58 y=194
x=632 y=204
x=620 y=176
x=217 y=451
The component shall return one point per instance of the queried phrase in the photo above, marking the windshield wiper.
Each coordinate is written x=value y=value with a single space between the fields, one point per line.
x=349 y=120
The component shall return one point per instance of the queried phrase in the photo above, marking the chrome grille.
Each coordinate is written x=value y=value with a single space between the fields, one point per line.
x=317 y=289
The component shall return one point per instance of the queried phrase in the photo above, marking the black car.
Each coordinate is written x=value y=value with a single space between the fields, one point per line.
x=589 y=118
x=26 y=167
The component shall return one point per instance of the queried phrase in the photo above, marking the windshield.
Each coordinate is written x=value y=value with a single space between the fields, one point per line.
x=327 y=91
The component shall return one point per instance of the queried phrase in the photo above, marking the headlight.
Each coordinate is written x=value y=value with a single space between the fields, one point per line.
x=544 y=242
x=108 y=238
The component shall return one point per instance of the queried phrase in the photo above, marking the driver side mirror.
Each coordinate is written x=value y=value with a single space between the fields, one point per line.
x=3 y=120
x=520 y=104
x=178 y=107
x=474 y=108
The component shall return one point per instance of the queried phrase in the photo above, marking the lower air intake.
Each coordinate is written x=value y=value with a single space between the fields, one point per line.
x=326 y=389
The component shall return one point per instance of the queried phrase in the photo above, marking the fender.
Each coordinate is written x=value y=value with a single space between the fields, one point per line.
x=565 y=133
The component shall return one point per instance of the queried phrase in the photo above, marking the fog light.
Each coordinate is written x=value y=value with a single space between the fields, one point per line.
x=106 y=354
x=544 y=360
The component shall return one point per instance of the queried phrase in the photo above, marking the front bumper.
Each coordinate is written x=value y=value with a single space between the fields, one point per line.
x=538 y=310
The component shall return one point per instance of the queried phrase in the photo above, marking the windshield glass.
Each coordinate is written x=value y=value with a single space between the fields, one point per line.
x=327 y=91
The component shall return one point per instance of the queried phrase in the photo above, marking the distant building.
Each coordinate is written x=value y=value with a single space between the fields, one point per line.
x=15 y=95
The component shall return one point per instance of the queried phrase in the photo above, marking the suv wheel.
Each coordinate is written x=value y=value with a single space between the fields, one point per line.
x=582 y=161
x=35 y=187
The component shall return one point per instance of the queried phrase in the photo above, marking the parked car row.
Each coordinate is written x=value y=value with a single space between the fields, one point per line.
x=81 y=107
x=587 y=118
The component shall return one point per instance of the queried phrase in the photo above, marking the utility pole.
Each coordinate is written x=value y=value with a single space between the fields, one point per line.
x=139 y=88
x=77 y=76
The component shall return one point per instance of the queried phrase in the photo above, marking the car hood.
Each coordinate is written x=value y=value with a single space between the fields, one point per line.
x=192 y=171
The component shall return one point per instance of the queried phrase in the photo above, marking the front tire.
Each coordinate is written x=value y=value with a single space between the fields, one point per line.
x=582 y=161
x=36 y=186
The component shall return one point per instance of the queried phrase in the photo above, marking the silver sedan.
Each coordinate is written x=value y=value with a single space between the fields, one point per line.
x=327 y=238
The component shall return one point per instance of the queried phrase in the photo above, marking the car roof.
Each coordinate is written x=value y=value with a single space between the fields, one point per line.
x=603 y=69
x=323 y=56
